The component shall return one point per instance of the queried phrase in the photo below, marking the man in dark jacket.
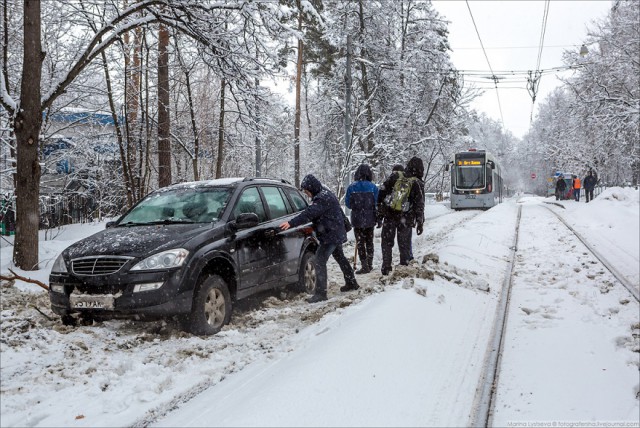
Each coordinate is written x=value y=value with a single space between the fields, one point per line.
x=589 y=184
x=402 y=222
x=361 y=198
x=328 y=222
x=561 y=187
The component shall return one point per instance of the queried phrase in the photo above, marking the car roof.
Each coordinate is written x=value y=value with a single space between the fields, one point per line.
x=225 y=182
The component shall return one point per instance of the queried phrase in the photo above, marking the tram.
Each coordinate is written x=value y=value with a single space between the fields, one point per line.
x=476 y=180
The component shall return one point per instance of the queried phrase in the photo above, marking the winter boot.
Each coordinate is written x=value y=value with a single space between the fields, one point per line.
x=367 y=266
x=386 y=270
x=364 y=269
x=317 y=298
x=350 y=286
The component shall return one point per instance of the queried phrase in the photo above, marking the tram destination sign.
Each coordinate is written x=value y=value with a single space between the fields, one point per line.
x=469 y=162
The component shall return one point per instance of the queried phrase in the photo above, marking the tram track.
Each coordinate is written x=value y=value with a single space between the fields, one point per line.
x=484 y=400
x=600 y=257
x=484 y=412
x=441 y=233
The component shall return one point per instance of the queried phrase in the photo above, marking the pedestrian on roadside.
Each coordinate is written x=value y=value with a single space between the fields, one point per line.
x=381 y=209
x=327 y=218
x=561 y=187
x=361 y=199
x=576 y=188
x=589 y=184
x=400 y=222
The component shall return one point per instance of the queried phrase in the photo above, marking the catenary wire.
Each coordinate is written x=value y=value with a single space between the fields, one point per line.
x=488 y=63
x=535 y=83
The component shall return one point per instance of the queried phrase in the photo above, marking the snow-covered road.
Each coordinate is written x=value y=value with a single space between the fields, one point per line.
x=402 y=351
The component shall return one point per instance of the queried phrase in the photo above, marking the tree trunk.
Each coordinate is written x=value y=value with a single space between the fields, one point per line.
x=296 y=129
x=223 y=84
x=133 y=95
x=27 y=125
x=258 y=136
x=126 y=174
x=164 y=126
x=192 y=113
x=365 y=85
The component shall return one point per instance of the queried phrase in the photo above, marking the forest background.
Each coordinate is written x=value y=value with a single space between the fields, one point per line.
x=105 y=101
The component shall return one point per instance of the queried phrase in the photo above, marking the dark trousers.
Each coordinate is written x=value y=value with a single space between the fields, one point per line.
x=389 y=231
x=576 y=194
x=588 y=193
x=345 y=266
x=364 y=239
x=322 y=257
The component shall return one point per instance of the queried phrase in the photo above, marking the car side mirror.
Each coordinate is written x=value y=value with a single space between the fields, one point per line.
x=491 y=164
x=110 y=224
x=246 y=220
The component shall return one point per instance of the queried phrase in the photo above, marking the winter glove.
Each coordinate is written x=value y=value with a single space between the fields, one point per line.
x=419 y=229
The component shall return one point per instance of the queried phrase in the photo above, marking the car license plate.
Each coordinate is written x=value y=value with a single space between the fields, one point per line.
x=91 y=302
x=469 y=196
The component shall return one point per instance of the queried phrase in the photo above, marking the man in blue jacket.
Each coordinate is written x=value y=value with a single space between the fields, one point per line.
x=361 y=198
x=328 y=222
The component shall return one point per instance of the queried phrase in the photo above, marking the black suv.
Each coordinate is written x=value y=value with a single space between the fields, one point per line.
x=187 y=250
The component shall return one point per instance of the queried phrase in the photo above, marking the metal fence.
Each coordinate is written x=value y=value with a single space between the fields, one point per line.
x=59 y=210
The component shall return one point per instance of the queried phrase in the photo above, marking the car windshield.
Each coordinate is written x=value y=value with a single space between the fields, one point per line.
x=187 y=205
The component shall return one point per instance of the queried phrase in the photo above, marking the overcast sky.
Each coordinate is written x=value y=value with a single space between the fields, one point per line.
x=510 y=32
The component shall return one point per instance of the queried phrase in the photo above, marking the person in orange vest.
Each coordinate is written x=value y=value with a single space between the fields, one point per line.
x=576 y=188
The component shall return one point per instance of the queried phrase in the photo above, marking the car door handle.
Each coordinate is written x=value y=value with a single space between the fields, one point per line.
x=269 y=233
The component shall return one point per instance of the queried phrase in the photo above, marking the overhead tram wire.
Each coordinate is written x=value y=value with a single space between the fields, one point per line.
x=545 y=17
x=534 y=83
x=493 y=76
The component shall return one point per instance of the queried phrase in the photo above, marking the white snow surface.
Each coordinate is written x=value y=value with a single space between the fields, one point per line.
x=404 y=350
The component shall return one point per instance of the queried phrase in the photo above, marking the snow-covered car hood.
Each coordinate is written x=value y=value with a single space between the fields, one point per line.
x=136 y=241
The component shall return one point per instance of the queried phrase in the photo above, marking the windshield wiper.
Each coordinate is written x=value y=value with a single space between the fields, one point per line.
x=172 y=221
x=149 y=223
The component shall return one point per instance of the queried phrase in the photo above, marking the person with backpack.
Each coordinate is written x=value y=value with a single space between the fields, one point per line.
x=327 y=218
x=361 y=199
x=401 y=205
x=589 y=184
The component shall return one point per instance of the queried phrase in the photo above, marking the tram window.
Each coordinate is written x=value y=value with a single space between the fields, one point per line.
x=469 y=177
x=489 y=178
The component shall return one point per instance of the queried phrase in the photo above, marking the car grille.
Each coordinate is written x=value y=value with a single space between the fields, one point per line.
x=92 y=266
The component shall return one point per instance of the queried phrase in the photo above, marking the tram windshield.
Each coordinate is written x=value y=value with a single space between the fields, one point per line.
x=470 y=177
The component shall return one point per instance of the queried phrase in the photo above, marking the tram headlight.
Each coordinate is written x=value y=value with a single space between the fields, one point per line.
x=478 y=191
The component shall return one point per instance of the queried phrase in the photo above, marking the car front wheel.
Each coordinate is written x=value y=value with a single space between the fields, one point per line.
x=211 y=307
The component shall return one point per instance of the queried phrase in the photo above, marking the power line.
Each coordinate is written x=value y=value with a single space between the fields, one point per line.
x=545 y=16
x=495 y=79
x=534 y=82
x=517 y=47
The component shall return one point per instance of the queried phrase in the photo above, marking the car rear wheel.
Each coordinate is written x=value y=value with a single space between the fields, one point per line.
x=211 y=307
x=307 y=278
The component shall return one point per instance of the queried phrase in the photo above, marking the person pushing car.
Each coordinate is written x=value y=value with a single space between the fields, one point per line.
x=328 y=222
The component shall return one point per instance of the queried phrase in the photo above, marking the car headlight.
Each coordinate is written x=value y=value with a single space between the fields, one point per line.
x=59 y=265
x=164 y=260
